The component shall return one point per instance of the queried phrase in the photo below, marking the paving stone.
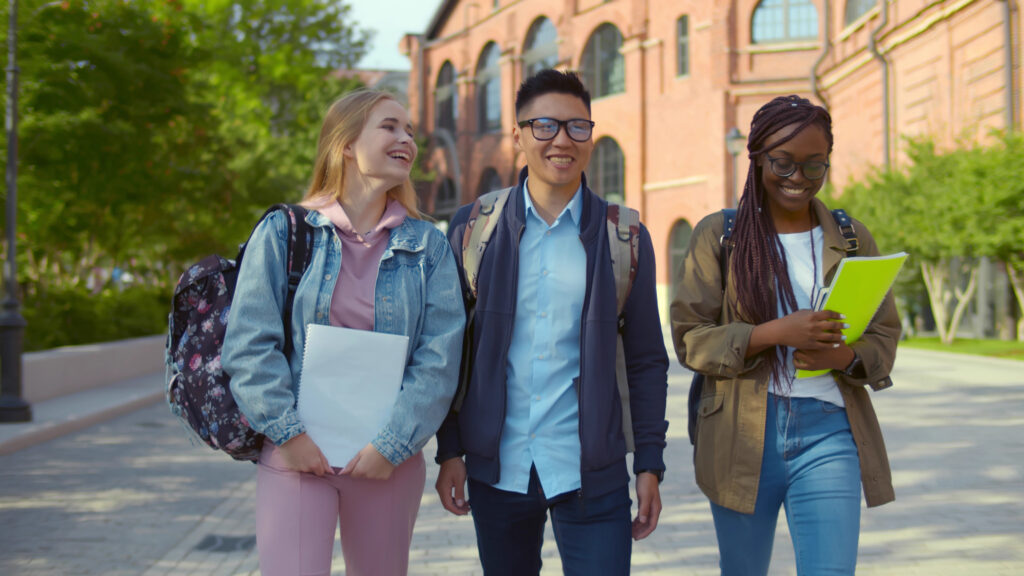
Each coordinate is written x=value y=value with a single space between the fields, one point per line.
x=131 y=496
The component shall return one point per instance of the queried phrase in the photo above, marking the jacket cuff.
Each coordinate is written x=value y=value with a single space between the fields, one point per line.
x=284 y=429
x=390 y=447
x=648 y=458
x=448 y=444
x=738 y=340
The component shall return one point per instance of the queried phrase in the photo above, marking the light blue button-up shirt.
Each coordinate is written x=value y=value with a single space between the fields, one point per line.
x=542 y=417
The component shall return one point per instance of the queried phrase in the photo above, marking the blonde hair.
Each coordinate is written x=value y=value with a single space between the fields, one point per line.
x=345 y=120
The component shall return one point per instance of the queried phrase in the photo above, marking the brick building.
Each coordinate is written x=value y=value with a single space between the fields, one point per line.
x=672 y=78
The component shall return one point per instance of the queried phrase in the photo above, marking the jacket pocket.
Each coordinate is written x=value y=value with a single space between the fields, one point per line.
x=706 y=447
x=710 y=404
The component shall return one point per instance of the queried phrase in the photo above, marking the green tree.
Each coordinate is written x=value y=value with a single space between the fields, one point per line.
x=1004 y=170
x=947 y=209
x=267 y=85
x=155 y=131
x=103 y=103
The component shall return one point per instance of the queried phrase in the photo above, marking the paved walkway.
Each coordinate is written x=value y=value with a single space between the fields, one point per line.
x=129 y=496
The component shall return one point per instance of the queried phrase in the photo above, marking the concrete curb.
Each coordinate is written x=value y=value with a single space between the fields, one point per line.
x=73 y=412
x=50 y=374
x=962 y=358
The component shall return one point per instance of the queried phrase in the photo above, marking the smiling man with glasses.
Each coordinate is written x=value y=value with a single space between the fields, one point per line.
x=541 y=425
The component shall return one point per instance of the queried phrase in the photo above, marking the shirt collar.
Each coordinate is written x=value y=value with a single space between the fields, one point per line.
x=574 y=207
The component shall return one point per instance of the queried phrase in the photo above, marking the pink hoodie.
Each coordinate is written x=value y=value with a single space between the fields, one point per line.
x=352 y=301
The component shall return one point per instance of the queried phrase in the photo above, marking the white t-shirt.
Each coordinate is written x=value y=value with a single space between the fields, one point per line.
x=801 y=277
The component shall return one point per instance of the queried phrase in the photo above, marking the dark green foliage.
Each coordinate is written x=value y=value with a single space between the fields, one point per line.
x=154 y=132
x=66 y=316
x=947 y=209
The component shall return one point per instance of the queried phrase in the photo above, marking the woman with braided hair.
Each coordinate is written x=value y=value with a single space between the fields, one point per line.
x=765 y=438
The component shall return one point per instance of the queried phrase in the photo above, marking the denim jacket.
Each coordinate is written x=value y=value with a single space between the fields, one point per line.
x=417 y=294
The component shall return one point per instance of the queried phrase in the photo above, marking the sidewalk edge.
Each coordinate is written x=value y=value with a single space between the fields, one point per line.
x=62 y=428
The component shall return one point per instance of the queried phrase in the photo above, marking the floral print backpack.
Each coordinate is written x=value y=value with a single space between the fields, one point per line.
x=197 y=388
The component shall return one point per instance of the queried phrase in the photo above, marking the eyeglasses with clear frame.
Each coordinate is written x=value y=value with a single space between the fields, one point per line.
x=577 y=129
x=785 y=167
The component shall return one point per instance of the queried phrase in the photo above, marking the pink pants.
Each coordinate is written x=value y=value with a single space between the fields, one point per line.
x=296 y=515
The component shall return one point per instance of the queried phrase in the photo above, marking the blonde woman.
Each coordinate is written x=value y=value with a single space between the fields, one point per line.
x=375 y=266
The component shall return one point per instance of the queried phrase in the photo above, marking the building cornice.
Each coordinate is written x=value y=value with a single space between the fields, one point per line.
x=851 y=65
x=666 y=184
x=444 y=11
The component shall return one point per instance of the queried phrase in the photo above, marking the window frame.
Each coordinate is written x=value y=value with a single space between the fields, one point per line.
x=534 y=54
x=442 y=99
x=861 y=7
x=601 y=161
x=445 y=207
x=783 y=32
x=488 y=86
x=683 y=46
x=604 y=72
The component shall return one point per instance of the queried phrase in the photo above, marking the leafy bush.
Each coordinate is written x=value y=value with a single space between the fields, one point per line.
x=69 y=316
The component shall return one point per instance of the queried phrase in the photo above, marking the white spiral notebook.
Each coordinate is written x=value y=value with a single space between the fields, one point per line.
x=348 y=386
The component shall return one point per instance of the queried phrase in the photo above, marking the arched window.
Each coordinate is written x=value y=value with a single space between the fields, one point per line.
x=447 y=199
x=784 y=21
x=683 y=46
x=857 y=8
x=445 y=102
x=489 y=182
x=488 y=90
x=541 y=47
x=679 y=243
x=604 y=69
x=609 y=177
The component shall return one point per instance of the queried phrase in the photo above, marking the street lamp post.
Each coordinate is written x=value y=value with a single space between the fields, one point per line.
x=12 y=324
x=735 y=142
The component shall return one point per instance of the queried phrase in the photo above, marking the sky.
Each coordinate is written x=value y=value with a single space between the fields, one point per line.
x=391 y=19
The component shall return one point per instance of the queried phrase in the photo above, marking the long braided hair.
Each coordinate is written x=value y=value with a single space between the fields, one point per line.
x=758 y=264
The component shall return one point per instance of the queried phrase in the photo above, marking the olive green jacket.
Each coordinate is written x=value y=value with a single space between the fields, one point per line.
x=710 y=339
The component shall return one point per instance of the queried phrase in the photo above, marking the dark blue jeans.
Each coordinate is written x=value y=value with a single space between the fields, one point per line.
x=593 y=533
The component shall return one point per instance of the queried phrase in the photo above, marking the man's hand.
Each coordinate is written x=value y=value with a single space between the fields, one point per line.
x=451 y=486
x=368 y=463
x=648 y=498
x=301 y=454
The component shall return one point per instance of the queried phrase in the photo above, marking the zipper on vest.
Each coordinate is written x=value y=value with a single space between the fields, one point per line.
x=508 y=344
x=579 y=388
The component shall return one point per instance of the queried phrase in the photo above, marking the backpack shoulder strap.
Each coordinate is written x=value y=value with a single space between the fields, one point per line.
x=847 y=230
x=723 y=254
x=624 y=226
x=730 y=223
x=849 y=233
x=300 y=252
x=483 y=219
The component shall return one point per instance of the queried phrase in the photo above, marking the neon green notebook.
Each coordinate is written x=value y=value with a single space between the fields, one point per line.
x=857 y=290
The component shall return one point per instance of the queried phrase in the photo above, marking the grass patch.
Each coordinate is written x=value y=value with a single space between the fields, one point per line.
x=1012 y=350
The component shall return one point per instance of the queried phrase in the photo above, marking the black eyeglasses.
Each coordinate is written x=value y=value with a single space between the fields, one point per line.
x=785 y=167
x=577 y=129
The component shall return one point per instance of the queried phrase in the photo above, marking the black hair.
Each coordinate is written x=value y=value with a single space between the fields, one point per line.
x=549 y=81
x=759 y=262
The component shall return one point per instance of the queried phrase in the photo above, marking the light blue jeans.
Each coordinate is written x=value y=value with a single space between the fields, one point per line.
x=810 y=465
